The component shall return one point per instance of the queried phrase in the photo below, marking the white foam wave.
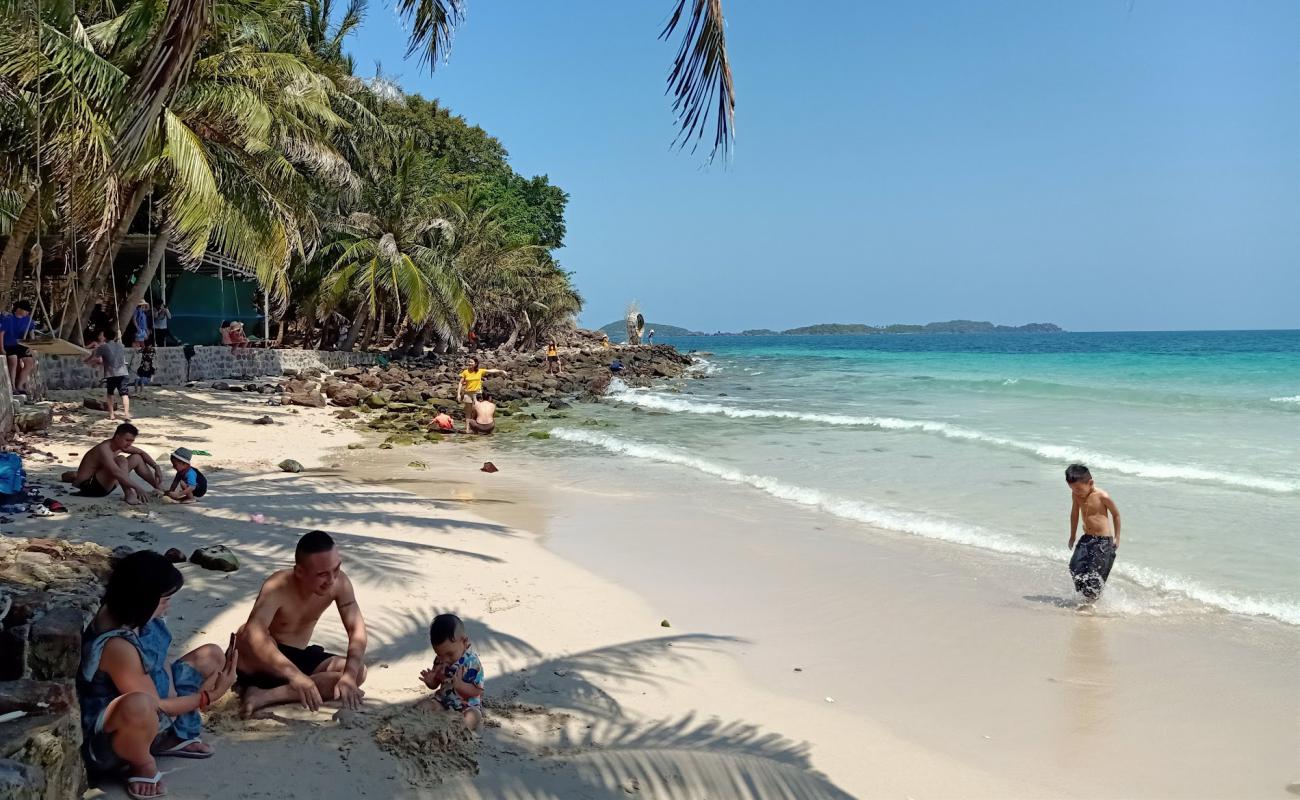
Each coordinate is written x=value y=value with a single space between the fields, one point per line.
x=1294 y=399
x=902 y=521
x=703 y=366
x=1010 y=381
x=926 y=526
x=1060 y=453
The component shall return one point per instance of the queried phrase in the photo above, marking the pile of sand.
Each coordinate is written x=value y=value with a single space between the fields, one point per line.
x=431 y=743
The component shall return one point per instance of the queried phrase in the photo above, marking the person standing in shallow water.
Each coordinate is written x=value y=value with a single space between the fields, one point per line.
x=1095 y=553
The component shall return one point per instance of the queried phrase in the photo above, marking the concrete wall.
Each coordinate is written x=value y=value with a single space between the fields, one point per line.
x=209 y=364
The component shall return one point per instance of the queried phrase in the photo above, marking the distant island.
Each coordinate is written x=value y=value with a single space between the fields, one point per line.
x=617 y=331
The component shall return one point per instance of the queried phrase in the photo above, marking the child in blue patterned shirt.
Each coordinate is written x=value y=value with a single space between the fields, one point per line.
x=457 y=675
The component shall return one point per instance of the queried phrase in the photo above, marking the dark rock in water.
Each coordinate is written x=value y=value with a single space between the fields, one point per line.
x=173 y=555
x=263 y=421
x=289 y=465
x=488 y=466
x=95 y=404
x=218 y=557
x=221 y=386
x=539 y=435
x=558 y=404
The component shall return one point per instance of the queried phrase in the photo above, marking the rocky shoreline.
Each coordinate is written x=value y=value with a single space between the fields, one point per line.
x=405 y=395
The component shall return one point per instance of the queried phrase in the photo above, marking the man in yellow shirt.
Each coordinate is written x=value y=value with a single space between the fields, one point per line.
x=471 y=384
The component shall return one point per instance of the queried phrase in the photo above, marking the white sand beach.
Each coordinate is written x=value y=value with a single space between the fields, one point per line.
x=817 y=671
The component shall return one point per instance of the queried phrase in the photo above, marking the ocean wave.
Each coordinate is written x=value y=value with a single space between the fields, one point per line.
x=703 y=366
x=1295 y=399
x=1058 y=453
x=923 y=525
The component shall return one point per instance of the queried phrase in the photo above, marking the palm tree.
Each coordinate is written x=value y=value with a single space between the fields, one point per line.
x=389 y=257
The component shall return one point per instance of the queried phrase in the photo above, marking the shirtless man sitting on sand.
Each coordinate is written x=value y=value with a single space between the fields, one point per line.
x=483 y=419
x=110 y=463
x=276 y=663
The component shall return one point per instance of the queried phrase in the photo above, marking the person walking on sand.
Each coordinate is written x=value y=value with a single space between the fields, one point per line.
x=109 y=465
x=1095 y=553
x=277 y=662
x=553 y=359
x=112 y=357
x=471 y=384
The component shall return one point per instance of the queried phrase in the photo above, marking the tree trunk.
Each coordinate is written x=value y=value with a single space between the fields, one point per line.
x=369 y=335
x=157 y=252
x=363 y=314
x=13 y=252
x=102 y=252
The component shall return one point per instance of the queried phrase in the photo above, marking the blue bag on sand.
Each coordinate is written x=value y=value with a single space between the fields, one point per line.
x=12 y=477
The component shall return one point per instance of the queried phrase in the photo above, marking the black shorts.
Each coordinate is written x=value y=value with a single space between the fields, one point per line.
x=307 y=660
x=18 y=351
x=117 y=383
x=553 y=359
x=1091 y=564
x=91 y=487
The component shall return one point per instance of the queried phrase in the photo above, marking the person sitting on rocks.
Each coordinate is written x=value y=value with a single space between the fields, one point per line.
x=133 y=709
x=279 y=664
x=189 y=484
x=483 y=418
x=443 y=421
x=110 y=463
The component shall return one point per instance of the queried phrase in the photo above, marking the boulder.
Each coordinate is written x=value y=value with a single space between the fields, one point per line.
x=289 y=465
x=348 y=372
x=30 y=419
x=376 y=400
x=371 y=381
x=346 y=414
x=349 y=396
x=218 y=557
x=55 y=643
x=558 y=404
x=311 y=399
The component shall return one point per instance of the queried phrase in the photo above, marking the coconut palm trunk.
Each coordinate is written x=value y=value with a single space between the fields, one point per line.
x=157 y=252
x=99 y=261
x=13 y=252
x=362 y=319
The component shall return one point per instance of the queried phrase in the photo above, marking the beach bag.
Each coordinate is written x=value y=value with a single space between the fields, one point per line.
x=12 y=476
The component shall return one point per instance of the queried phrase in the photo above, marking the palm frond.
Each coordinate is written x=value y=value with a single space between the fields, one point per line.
x=433 y=24
x=700 y=81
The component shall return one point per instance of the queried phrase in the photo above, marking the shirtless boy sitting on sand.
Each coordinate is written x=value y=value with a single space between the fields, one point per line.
x=1090 y=565
x=276 y=664
x=110 y=463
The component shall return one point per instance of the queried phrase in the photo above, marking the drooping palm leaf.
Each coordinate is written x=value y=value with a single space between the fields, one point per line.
x=700 y=81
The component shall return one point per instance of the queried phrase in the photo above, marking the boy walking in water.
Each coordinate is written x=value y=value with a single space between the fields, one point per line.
x=1095 y=554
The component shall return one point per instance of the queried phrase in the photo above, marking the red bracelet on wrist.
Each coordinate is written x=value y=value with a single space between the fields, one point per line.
x=204 y=700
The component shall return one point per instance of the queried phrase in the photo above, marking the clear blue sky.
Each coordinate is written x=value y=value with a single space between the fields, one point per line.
x=1089 y=163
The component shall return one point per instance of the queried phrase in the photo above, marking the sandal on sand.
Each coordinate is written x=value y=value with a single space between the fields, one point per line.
x=179 y=750
x=130 y=786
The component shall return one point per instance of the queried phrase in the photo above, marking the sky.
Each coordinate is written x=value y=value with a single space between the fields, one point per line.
x=1101 y=164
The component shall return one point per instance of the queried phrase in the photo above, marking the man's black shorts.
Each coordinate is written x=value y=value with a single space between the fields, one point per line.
x=307 y=660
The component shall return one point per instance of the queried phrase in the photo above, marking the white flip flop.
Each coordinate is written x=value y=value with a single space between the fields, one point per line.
x=179 y=750
x=151 y=781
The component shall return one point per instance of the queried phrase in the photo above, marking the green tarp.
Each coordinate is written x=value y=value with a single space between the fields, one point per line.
x=200 y=303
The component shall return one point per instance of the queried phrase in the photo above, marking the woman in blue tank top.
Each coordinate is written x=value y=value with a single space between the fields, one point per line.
x=133 y=708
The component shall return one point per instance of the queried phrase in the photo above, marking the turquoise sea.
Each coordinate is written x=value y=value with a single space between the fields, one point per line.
x=963 y=439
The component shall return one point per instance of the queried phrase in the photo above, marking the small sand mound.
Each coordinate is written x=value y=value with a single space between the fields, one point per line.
x=431 y=743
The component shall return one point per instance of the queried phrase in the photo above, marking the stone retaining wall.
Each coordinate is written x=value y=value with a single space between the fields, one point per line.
x=209 y=364
x=49 y=589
